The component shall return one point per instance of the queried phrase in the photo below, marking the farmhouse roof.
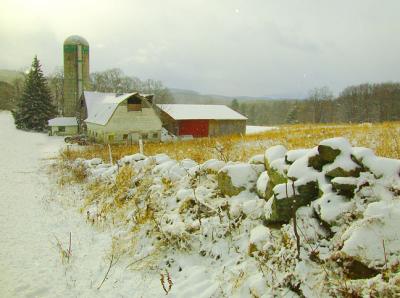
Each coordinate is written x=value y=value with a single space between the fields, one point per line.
x=200 y=112
x=101 y=106
x=63 y=121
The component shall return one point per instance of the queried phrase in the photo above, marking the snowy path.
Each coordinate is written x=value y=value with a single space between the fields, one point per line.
x=30 y=219
x=25 y=241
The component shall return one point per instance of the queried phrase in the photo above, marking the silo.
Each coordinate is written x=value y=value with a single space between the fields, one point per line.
x=76 y=73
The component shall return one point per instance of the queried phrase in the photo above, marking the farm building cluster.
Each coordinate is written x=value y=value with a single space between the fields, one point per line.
x=126 y=118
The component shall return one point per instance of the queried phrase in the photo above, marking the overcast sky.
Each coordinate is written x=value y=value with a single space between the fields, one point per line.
x=229 y=47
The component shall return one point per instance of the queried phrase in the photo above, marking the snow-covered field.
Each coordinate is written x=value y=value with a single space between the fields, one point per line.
x=251 y=129
x=216 y=229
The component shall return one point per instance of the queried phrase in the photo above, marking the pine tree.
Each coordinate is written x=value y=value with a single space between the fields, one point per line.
x=35 y=107
x=235 y=105
x=291 y=117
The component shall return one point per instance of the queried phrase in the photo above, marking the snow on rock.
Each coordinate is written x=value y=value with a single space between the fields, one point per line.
x=257 y=159
x=259 y=237
x=212 y=165
x=274 y=153
x=343 y=166
x=333 y=208
x=130 y=159
x=327 y=151
x=262 y=183
x=164 y=167
x=339 y=143
x=366 y=238
x=234 y=178
x=311 y=228
x=161 y=158
x=312 y=279
x=292 y=155
x=175 y=172
x=184 y=194
x=279 y=166
x=288 y=197
x=301 y=169
x=359 y=153
x=254 y=208
x=93 y=162
x=258 y=285
x=345 y=186
x=383 y=168
x=187 y=163
x=105 y=171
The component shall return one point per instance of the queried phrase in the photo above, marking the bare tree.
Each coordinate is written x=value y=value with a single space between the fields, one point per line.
x=114 y=80
x=318 y=97
x=56 y=84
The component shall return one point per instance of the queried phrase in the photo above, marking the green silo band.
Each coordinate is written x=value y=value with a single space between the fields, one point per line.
x=69 y=48
x=85 y=49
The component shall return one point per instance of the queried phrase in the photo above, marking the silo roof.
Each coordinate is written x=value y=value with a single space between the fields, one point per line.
x=76 y=39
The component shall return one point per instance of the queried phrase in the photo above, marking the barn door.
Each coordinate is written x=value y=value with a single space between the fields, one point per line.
x=195 y=128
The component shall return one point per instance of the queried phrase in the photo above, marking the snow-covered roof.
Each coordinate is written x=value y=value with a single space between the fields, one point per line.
x=101 y=106
x=63 y=121
x=192 y=112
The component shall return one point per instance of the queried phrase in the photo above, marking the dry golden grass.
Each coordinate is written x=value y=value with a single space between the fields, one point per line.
x=381 y=137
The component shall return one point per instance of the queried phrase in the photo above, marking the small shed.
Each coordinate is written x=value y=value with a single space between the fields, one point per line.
x=201 y=120
x=63 y=126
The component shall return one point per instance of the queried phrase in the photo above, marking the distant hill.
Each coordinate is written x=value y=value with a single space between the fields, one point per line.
x=6 y=96
x=193 y=97
x=10 y=75
x=7 y=89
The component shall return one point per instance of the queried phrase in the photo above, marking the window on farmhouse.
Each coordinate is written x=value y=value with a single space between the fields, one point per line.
x=155 y=135
x=125 y=136
x=61 y=128
x=134 y=104
x=144 y=136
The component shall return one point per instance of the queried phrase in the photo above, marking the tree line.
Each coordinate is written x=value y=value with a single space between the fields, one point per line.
x=115 y=81
x=112 y=80
x=355 y=104
x=360 y=103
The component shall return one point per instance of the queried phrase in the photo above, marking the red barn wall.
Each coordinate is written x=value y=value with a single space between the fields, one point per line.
x=196 y=128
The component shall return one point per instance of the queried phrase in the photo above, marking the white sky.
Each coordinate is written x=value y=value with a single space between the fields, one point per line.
x=230 y=47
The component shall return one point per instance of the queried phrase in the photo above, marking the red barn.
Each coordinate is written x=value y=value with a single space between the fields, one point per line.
x=201 y=120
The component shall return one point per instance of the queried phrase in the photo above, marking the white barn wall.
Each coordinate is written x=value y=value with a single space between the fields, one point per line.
x=69 y=131
x=134 y=123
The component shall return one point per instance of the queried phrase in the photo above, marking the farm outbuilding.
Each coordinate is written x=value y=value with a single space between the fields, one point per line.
x=201 y=120
x=63 y=126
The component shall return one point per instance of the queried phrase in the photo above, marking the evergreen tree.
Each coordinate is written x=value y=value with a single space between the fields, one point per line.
x=35 y=107
x=291 y=117
x=235 y=105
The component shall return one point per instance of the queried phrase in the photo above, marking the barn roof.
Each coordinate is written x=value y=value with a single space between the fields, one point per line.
x=63 y=121
x=101 y=106
x=193 y=112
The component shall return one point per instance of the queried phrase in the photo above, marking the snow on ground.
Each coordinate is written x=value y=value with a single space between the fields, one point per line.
x=31 y=218
x=251 y=129
x=199 y=240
